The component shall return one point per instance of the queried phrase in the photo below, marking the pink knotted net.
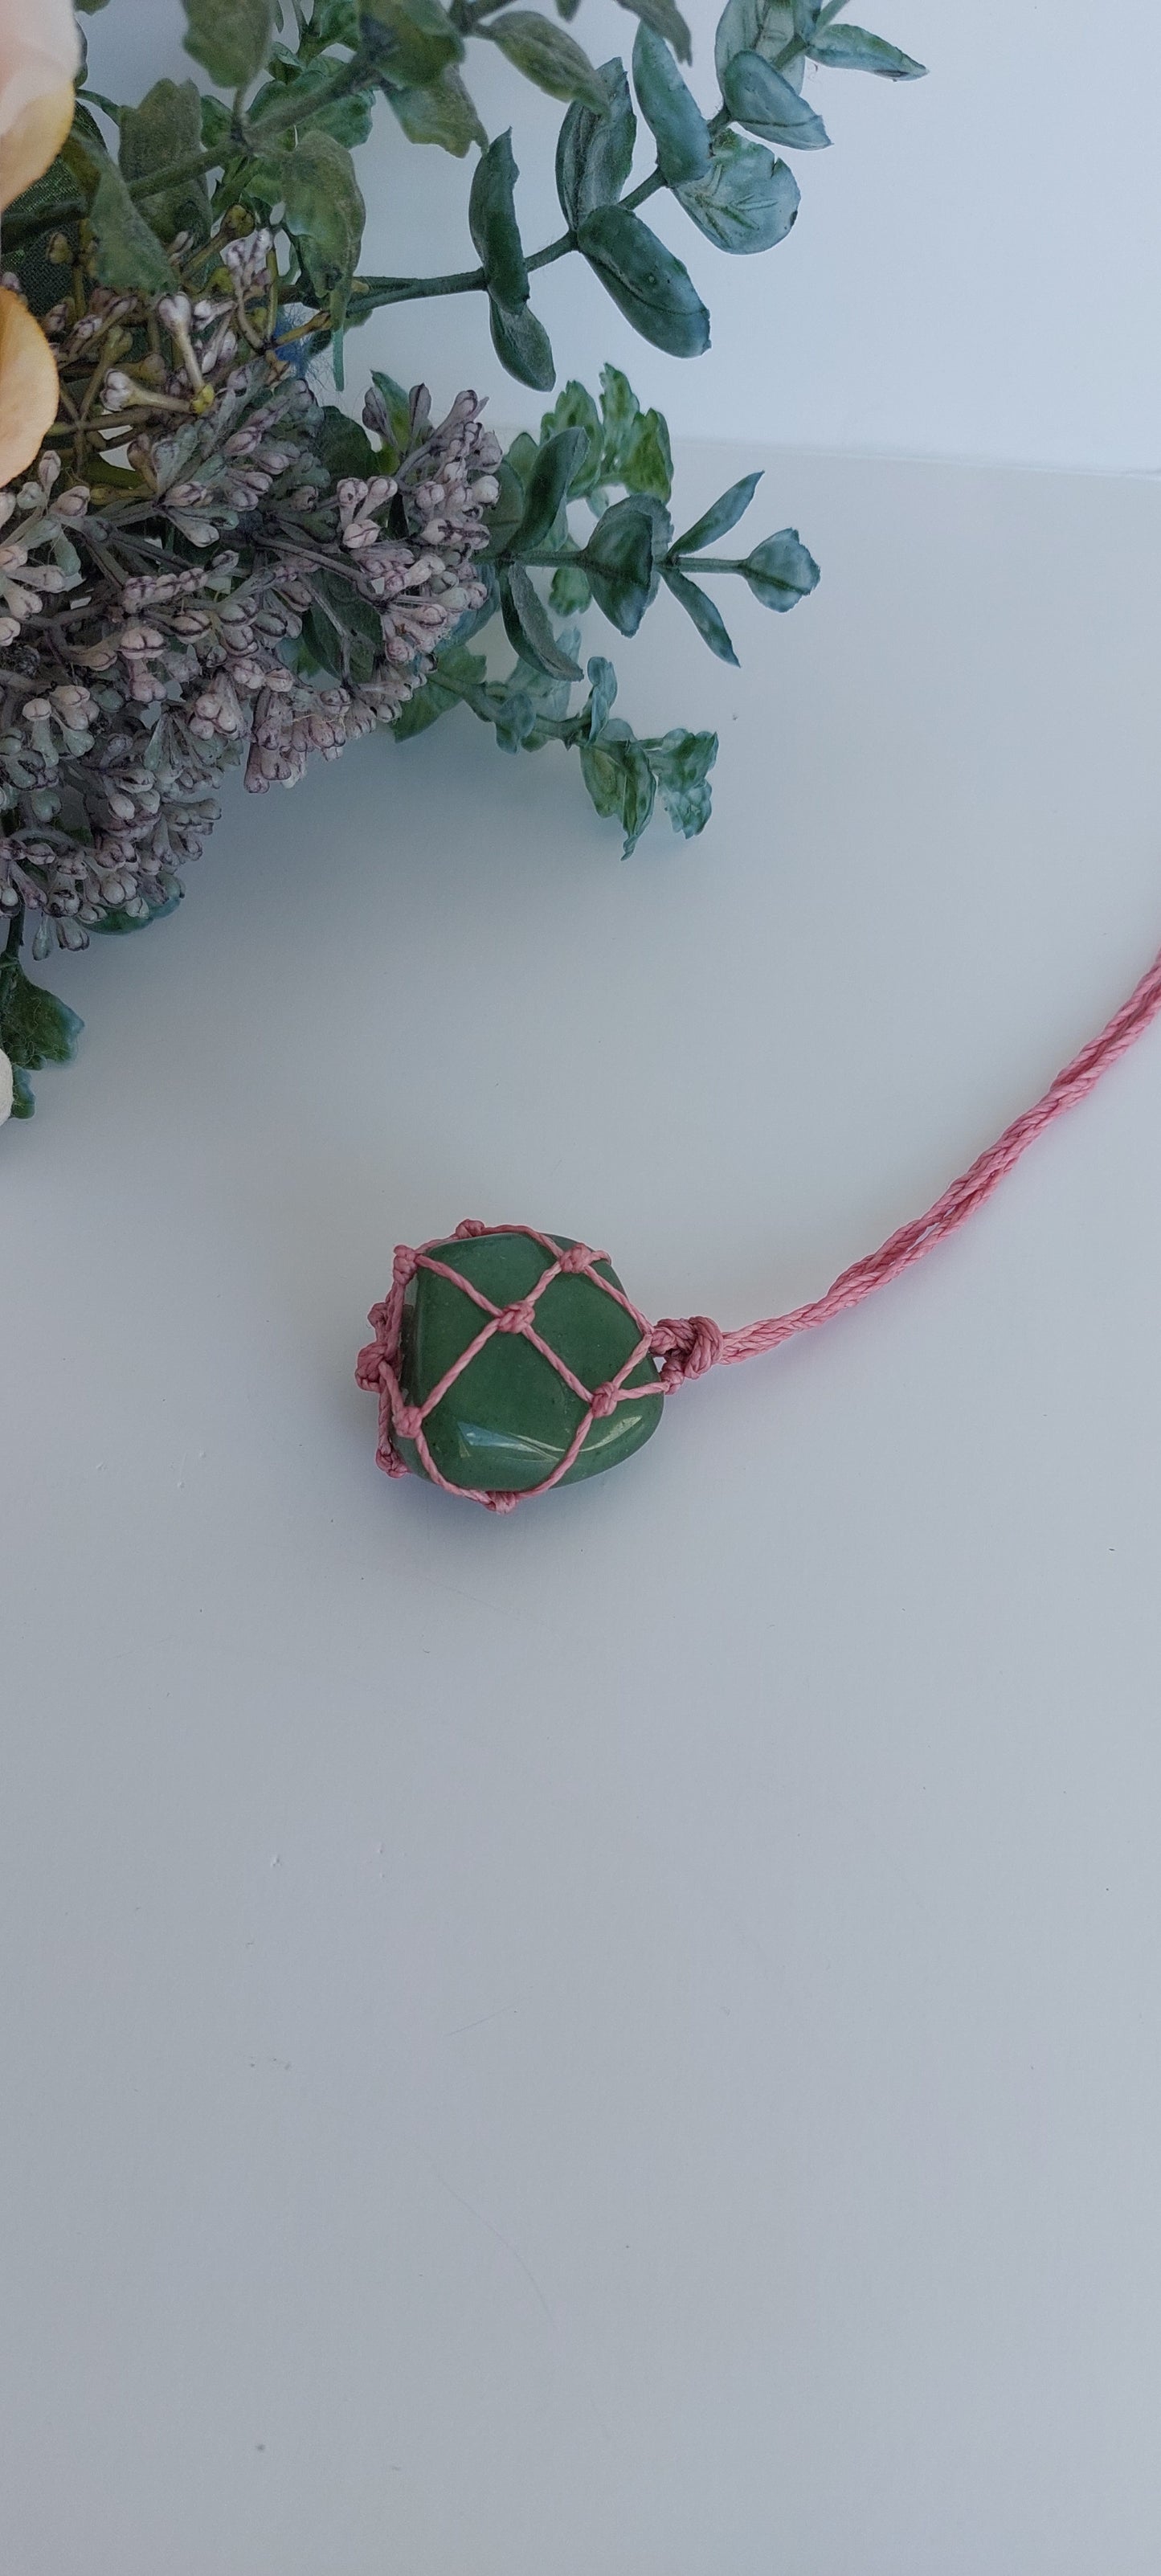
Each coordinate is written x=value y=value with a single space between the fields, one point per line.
x=687 y=1346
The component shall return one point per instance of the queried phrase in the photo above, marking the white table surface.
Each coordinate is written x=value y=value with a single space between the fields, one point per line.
x=626 y=2040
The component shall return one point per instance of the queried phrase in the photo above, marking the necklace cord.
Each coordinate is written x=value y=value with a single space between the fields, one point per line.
x=688 y=1345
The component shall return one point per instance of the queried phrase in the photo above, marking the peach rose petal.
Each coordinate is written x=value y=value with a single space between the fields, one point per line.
x=39 y=58
x=28 y=386
x=33 y=140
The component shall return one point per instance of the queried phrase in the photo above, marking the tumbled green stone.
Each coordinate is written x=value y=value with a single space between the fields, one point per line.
x=508 y=1419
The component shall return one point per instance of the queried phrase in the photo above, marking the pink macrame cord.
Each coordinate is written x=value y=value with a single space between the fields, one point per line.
x=689 y=1345
x=911 y=1241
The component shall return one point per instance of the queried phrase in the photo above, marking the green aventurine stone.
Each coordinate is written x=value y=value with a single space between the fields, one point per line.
x=508 y=1419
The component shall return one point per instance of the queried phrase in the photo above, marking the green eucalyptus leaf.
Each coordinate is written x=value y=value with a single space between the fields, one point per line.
x=522 y=344
x=548 y=486
x=851 y=49
x=215 y=127
x=164 y=128
x=646 y=464
x=780 y=572
x=506 y=513
x=765 y=27
x=569 y=592
x=654 y=292
x=681 y=763
x=395 y=415
x=670 y=111
x=128 y=252
x=324 y=206
x=344 y=447
x=602 y=692
x=461 y=670
x=458 y=675
x=545 y=55
x=348 y=119
x=526 y=624
x=331 y=22
x=35 y=1029
x=345 y=630
x=442 y=113
x=717 y=521
x=425 y=708
x=229 y=38
x=710 y=625
x=619 y=562
x=521 y=457
x=120 y=924
x=410 y=42
x=594 y=151
x=620 y=411
x=493 y=226
x=747 y=200
x=546 y=696
x=759 y=97
x=666 y=21
x=617 y=773
x=575 y=409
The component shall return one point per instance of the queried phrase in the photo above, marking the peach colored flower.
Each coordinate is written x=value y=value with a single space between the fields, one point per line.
x=39 y=56
x=28 y=385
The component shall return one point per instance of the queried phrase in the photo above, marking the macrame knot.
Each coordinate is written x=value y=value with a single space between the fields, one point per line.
x=501 y=1502
x=688 y=1345
x=577 y=1257
x=603 y=1402
x=407 y=1421
x=468 y=1226
x=403 y=1270
x=368 y=1364
x=517 y=1319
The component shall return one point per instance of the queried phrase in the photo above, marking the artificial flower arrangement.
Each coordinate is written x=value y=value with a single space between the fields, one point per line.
x=205 y=558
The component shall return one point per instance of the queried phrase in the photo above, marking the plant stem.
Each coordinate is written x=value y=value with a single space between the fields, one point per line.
x=280 y=113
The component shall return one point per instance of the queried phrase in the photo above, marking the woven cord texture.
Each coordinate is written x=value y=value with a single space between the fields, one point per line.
x=688 y=1345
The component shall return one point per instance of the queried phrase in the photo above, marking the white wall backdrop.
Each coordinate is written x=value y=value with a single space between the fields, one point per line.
x=976 y=270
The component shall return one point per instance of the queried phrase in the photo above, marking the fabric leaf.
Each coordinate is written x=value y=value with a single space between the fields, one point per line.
x=759 y=98
x=852 y=49
x=710 y=624
x=522 y=344
x=166 y=126
x=780 y=571
x=229 y=38
x=594 y=151
x=747 y=200
x=720 y=518
x=670 y=111
x=492 y=222
x=527 y=626
x=543 y=52
x=654 y=292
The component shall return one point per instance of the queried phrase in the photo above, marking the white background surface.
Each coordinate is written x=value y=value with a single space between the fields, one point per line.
x=975 y=271
x=622 y=2041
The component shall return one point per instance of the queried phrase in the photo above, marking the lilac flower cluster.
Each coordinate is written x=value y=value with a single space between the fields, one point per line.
x=162 y=618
